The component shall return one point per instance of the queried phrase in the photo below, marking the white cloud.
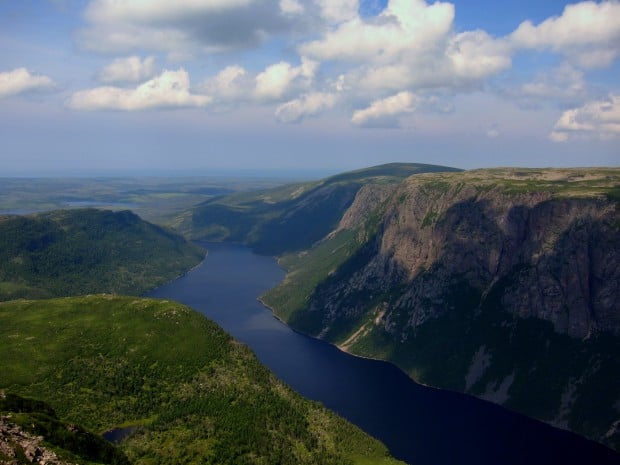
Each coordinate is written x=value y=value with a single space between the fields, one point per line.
x=277 y=82
x=600 y=119
x=588 y=33
x=277 y=79
x=130 y=69
x=476 y=55
x=291 y=7
x=230 y=84
x=404 y=26
x=410 y=50
x=384 y=113
x=171 y=89
x=183 y=28
x=338 y=11
x=411 y=45
x=20 y=80
x=307 y=105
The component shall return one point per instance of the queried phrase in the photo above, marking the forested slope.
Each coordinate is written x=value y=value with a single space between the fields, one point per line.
x=69 y=252
x=196 y=395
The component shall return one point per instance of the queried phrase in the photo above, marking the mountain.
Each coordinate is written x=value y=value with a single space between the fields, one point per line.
x=83 y=251
x=501 y=283
x=193 y=394
x=291 y=217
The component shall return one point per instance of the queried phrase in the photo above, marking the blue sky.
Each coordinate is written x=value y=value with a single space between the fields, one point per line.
x=201 y=87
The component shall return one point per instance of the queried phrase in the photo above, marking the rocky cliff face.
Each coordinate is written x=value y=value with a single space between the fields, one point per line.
x=501 y=283
x=557 y=259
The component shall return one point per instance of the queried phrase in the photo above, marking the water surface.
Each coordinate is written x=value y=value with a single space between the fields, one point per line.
x=420 y=425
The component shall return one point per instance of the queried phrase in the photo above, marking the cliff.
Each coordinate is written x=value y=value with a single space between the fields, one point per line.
x=501 y=283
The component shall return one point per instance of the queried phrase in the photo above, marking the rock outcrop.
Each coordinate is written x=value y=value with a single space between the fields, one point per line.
x=18 y=446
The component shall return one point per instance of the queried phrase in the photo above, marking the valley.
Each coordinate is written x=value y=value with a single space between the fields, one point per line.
x=498 y=283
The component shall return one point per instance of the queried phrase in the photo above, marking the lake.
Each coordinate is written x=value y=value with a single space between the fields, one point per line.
x=420 y=425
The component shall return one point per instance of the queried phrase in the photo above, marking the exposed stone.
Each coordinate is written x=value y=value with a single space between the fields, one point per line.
x=14 y=441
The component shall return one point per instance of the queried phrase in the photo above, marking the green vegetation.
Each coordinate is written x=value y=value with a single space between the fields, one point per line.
x=555 y=182
x=289 y=218
x=198 y=396
x=70 y=442
x=306 y=271
x=84 y=251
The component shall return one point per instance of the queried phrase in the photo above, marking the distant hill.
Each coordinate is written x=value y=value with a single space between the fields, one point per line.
x=194 y=394
x=291 y=217
x=502 y=283
x=71 y=252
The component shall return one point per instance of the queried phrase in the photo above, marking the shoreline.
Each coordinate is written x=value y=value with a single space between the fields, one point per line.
x=428 y=386
x=364 y=357
x=186 y=272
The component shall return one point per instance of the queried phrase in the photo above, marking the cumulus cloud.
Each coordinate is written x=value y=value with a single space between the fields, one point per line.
x=588 y=33
x=338 y=11
x=183 y=27
x=312 y=104
x=407 y=49
x=600 y=119
x=130 y=69
x=476 y=55
x=291 y=7
x=171 y=89
x=233 y=83
x=402 y=26
x=384 y=112
x=411 y=45
x=20 y=80
x=277 y=79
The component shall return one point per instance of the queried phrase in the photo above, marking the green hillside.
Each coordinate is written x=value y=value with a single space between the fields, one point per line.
x=291 y=217
x=196 y=395
x=70 y=252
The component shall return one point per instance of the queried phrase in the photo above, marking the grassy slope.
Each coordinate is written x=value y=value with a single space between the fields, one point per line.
x=103 y=361
x=293 y=217
x=69 y=252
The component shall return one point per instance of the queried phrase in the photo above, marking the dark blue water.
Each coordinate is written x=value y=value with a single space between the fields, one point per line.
x=420 y=425
x=117 y=435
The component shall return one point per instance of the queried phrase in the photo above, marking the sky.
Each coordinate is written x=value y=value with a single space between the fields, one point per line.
x=100 y=87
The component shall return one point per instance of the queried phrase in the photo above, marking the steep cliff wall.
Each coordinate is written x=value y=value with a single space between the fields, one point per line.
x=501 y=283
